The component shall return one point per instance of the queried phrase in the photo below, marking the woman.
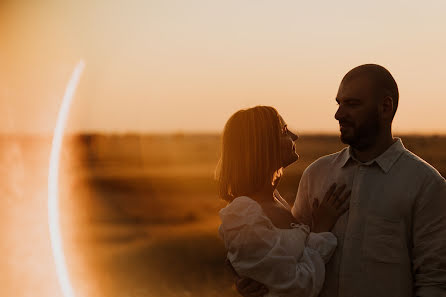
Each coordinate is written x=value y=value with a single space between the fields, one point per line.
x=263 y=240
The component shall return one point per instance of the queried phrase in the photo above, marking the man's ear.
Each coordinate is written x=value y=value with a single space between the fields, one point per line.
x=387 y=107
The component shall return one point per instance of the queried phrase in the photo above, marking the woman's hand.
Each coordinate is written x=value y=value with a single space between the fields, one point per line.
x=326 y=213
x=250 y=288
x=245 y=286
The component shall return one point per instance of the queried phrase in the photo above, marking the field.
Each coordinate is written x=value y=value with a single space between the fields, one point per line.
x=140 y=212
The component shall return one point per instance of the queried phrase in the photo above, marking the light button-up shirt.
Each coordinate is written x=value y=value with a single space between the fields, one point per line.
x=392 y=240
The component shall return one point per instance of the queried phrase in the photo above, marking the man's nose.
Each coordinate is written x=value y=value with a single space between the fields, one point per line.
x=339 y=113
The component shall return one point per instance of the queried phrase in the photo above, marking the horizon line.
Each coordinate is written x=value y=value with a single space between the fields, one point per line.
x=192 y=132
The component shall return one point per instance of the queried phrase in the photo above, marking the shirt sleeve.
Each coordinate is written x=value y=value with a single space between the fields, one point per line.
x=258 y=251
x=301 y=209
x=429 y=239
x=324 y=243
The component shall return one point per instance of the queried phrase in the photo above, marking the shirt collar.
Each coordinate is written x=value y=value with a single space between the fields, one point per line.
x=385 y=161
x=345 y=156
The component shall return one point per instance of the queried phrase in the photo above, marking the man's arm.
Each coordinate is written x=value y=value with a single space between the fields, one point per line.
x=429 y=239
x=301 y=209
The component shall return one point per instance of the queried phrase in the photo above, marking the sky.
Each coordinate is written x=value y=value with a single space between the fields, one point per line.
x=186 y=66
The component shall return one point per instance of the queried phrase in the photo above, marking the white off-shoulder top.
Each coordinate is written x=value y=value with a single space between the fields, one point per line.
x=290 y=262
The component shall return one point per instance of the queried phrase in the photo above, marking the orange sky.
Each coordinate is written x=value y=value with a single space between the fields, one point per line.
x=163 y=66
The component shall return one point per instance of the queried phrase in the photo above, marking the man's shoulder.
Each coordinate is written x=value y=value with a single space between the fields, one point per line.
x=326 y=162
x=421 y=166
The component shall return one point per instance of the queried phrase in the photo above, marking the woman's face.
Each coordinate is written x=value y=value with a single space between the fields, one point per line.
x=287 y=145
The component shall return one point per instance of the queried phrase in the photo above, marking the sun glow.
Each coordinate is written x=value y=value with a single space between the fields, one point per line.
x=53 y=179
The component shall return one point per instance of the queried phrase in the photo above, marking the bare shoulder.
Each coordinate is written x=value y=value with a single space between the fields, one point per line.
x=279 y=216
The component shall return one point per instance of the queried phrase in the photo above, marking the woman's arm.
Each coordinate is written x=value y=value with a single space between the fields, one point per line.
x=269 y=256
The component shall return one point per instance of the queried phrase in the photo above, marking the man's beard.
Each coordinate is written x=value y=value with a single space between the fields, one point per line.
x=364 y=135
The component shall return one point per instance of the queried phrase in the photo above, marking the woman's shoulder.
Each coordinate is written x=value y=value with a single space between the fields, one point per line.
x=242 y=205
x=243 y=211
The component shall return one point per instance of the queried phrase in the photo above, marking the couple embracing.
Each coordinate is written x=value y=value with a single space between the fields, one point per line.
x=369 y=220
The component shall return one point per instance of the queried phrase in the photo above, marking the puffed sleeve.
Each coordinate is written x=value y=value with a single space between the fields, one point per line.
x=324 y=243
x=274 y=257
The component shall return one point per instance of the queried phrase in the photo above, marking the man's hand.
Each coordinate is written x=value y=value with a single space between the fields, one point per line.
x=245 y=286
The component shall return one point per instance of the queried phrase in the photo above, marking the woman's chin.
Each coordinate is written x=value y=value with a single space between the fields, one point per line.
x=293 y=158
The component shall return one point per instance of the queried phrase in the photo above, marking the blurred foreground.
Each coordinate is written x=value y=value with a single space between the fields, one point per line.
x=140 y=212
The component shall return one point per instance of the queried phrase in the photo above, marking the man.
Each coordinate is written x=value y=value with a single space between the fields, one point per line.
x=392 y=241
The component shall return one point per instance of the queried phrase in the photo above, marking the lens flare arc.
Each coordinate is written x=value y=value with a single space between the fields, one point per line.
x=53 y=179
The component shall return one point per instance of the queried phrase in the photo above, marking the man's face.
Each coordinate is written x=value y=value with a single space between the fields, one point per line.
x=358 y=116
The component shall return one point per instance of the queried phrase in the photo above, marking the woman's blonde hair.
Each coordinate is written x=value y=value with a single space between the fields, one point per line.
x=250 y=152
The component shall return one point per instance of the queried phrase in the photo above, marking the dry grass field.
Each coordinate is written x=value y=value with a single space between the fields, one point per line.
x=152 y=208
x=139 y=212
